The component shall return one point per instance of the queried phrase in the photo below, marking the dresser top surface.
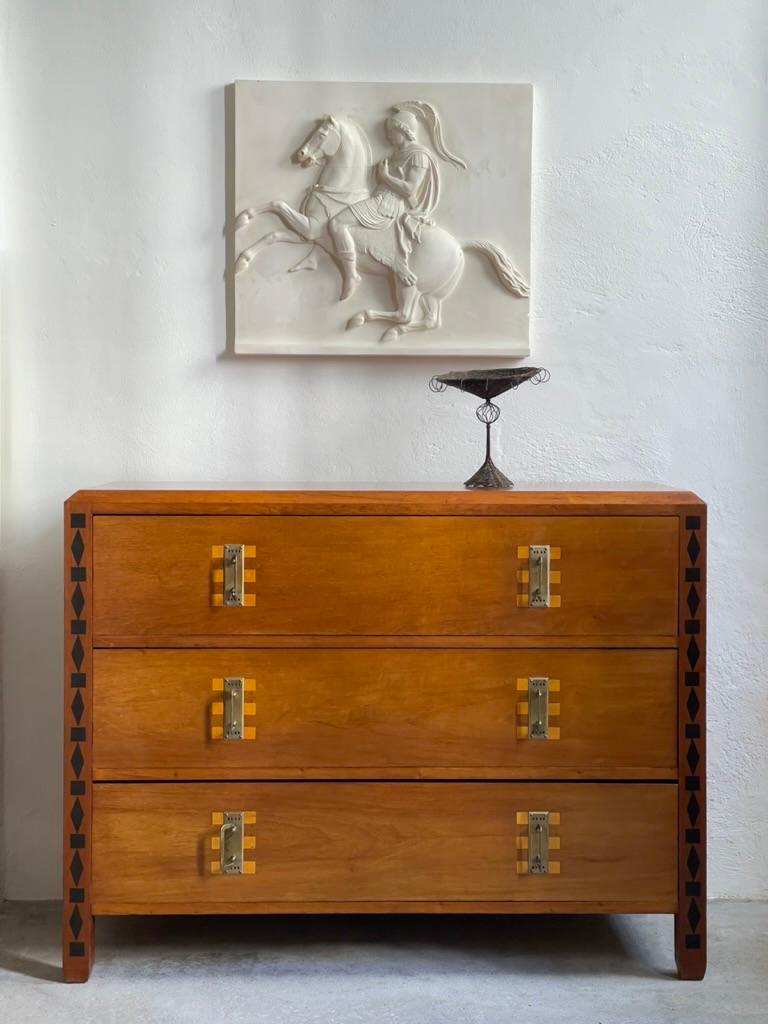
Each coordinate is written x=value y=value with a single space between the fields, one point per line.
x=383 y=498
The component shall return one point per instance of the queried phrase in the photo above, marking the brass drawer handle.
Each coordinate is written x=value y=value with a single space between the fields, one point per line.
x=538 y=842
x=535 y=842
x=234 y=577
x=536 y=580
x=233 y=707
x=233 y=844
x=538 y=708
x=538 y=576
x=233 y=711
x=536 y=713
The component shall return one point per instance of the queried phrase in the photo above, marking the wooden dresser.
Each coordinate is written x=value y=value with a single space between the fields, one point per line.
x=396 y=700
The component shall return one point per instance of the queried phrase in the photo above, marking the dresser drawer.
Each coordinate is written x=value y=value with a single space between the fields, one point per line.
x=160 y=714
x=161 y=576
x=347 y=841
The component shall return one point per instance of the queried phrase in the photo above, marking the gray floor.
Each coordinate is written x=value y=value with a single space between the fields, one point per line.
x=385 y=970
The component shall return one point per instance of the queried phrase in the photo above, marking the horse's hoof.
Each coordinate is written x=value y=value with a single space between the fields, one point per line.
x=390 y=335
x=244 y=218
x=241 y=263
x=356 y=321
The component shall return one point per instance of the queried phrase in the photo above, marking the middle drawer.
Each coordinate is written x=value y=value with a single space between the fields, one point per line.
x=385 y=713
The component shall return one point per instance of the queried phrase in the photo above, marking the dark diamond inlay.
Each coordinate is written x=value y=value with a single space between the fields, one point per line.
x=78 y=948
x=694 y=915
x=693 y=888
x=78 y=678
x=76 y=519
x=76 y=841
x=693 y=809
x=78 y=652
x=692 y=522
x=693 y=600
x=77 y=760
x=692 y=704
x=77 y=895
x=692 y=626
x=76 y=922
x=692 y=732
x=694 y=549
x=77 y=627
x=691 y=678
x=692 y=575
x=77 y=574
x=692 y=757
x=77 y=788
x=693 y=942
x=78 y=548
x=78 y=706
x=693 y=862
x=78 y=600
x=76 y=867
x=692 y=652
x=692 y=835
x=76 y=815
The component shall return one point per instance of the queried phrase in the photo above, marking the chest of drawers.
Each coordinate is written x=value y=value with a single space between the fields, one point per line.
x=396 y=700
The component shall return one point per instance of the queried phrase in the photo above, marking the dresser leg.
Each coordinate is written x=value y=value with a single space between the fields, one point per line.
x=691 y=962
x=691 y=918
x=77 y=920
x=77 y=955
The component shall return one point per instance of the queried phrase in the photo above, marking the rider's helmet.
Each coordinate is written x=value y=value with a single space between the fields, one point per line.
x=405 y=122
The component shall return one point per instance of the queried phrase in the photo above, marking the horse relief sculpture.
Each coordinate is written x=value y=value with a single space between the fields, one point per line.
x=377 y=218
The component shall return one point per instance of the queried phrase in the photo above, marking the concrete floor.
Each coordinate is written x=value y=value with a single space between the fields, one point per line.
x=385 y=970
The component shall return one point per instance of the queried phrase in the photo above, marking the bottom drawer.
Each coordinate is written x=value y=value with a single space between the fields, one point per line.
x=380 y=842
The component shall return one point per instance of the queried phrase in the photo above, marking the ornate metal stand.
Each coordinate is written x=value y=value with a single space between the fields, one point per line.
x=488 y=384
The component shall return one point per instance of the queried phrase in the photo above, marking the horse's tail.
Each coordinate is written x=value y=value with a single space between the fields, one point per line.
x=505 y=270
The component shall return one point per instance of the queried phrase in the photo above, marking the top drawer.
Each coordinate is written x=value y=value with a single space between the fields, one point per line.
x=160 y=576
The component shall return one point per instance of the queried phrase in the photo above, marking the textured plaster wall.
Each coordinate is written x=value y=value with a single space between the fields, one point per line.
x=649 y=307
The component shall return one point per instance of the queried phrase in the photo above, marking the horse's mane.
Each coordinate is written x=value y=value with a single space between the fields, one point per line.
x=354 y=142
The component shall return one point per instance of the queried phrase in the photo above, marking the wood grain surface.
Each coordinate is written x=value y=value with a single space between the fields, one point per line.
x=379 y=575
x=157 y=907
x=388 y=770
x=418 y=841
x=386 y=499
x=376 y=711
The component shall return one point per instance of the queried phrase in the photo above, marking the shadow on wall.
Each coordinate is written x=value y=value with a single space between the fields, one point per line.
x=32 y=609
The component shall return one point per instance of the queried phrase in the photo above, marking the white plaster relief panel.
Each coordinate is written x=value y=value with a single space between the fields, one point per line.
x=381 y=218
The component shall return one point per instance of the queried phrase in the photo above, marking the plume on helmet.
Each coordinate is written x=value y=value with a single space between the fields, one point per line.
x=427 y=113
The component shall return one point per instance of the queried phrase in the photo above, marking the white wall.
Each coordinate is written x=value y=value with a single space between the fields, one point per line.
x=649 y=307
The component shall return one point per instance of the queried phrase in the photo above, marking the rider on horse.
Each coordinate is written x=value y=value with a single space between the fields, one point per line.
x=407 y=192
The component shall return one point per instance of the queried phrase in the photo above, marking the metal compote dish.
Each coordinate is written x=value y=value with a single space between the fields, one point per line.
x=488 y=384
